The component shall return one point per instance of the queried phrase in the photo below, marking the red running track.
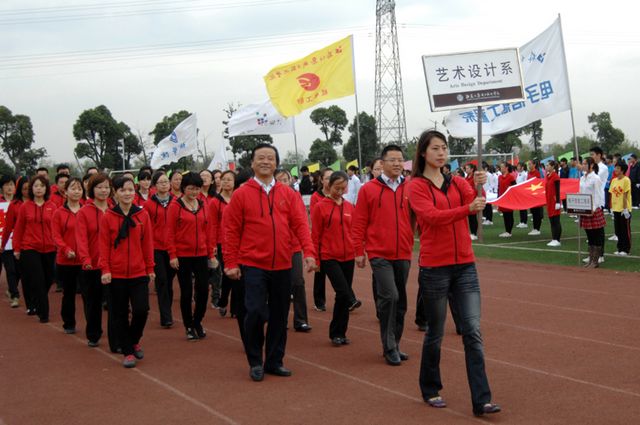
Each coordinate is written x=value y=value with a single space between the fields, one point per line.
x=562 y=346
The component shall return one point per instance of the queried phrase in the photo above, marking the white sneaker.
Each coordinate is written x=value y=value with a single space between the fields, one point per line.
x=522 y=226
x=613 y=238
x=577 y=220
x=474 y=238
x=554 y=243
x=504 y=235
x=586 y=260
x=600 y=260
x=616 y=253
x=634 y=207
x=621 y=254
x=534 y=232
x=488 y=223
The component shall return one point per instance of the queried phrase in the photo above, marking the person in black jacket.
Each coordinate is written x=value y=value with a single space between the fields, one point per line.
x=306 y=185
x=634 y=176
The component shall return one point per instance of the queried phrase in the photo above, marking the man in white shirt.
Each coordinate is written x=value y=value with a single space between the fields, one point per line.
x=603 y=172
x=354 y=185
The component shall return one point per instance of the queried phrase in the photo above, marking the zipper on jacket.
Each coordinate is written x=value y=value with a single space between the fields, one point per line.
x=196 y=247
x=273 y=224
x=395 y=204
x=344 y=245
x=455 y=239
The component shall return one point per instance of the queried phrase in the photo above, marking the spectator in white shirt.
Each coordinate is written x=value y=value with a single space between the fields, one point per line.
x=354 y=185
x=603 y=172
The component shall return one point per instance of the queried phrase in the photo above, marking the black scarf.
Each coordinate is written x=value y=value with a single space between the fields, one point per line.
x=127 y=223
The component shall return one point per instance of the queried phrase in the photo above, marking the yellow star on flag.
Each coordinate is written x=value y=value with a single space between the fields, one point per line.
x=535 y=187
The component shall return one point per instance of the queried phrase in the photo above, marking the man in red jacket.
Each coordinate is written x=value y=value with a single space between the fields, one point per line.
x=258 y=248
x=382 y=228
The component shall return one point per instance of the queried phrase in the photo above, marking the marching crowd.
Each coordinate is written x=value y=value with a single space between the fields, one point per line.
x=249 y=237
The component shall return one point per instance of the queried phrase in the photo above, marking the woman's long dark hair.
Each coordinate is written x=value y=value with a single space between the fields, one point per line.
x=420 y=162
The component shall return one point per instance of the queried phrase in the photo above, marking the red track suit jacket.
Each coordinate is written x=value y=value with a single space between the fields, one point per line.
x=216 y=210
x=88 y=235
x=256 y=227
x=331 y=230
x=134 y=255
x=33 y=227
x=10 y=220
x=188 y=234
x=159 y=216
x=296 y=246
x=503 y=184
x=64 y=235
x=552 y=193
x=381 y=222
x=442 y=219
x=315 y=198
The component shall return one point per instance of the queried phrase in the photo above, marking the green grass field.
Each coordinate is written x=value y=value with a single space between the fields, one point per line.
x=523 y=247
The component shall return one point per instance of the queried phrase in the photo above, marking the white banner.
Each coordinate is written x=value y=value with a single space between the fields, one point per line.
x=546 y=90
x=219 y=161
x=258 y=118
x=181 y=142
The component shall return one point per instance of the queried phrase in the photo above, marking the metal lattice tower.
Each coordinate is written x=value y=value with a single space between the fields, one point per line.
x=391 y=126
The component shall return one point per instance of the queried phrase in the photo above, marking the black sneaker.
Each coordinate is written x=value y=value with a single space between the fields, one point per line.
x=320 y=308
x=222 y=311
x=199 y=330
x=191 y=335
x=356 y=304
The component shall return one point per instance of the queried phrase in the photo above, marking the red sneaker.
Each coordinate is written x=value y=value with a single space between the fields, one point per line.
x=129 y=361
x=138 y=352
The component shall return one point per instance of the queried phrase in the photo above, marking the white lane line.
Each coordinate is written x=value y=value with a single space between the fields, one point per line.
x=557 y=287
x=157 y=381
x=572 y=309
x=515 y=365
x=358 y=380
x=561 y=335
x=521 y=248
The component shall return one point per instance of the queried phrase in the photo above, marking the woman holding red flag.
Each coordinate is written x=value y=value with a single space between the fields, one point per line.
x=554 y=203
x=505 y=179
x=533 y=167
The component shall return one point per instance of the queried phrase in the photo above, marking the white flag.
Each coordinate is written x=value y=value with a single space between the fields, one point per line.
x=181 y=142
x=258 y=118
x=546 y=90
x=219 y=161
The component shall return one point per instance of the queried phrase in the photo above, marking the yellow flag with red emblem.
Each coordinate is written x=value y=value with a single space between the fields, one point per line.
x=323 y=75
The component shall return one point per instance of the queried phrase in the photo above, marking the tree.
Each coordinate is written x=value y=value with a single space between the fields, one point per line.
x=16 y=137
x=241 y=146
x=322 y=151
x=505 y=142
x=462 y=146
x=97 y=133
x=332 y=121
x=368 y=140
x=6 y=169
x=535 y=130
x=607 y=136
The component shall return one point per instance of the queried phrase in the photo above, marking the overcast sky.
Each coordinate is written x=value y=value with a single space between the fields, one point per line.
x=201 y=55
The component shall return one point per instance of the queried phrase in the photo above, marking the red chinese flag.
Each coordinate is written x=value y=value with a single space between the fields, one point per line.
x=531 y=194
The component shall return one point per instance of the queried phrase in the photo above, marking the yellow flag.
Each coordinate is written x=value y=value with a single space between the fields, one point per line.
x=314 y=167
x=323 y=75
x=349 y=164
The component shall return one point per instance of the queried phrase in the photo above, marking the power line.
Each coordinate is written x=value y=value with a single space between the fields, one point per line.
x=140 y=12
x=164 y=50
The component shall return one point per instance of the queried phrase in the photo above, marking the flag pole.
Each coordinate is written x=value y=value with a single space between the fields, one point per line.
x=566 y=76
x=573 y=122
x=295 y=142
x=355 y=92
x=479 y=186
